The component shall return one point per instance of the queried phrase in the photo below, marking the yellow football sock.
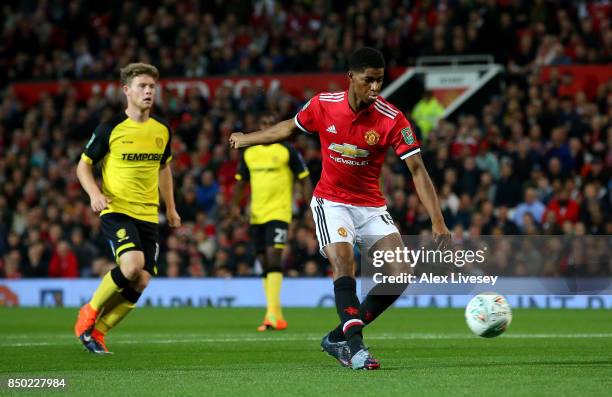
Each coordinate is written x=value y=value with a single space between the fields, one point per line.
x=106 y=290
x=112 y=317
x=264 y=282
x=111 y=304
x=273 y=288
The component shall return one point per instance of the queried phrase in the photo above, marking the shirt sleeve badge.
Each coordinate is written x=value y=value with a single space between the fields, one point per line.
x=408 y=135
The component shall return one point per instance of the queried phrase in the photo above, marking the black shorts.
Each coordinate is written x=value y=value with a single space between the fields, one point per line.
x=125 y=234
x=269 y=234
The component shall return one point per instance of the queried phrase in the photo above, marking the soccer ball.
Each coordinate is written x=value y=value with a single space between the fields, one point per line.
x=488 y=314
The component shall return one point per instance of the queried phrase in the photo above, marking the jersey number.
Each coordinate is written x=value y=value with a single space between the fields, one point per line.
x=281 y=236
x=387 y=219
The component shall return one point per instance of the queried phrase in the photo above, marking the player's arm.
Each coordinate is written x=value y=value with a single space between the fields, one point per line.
x=306 y=189
x=95 y=150
x=427 y=194
x=300 y=171
x=84 y=171
x=407 y=147
x=243 y=176
x=278 y=132
x=166 y=188
x=237 y=195
x=166 y=185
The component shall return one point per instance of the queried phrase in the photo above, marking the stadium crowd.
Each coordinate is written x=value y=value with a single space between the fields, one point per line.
x=43 y=40
x=535 y=161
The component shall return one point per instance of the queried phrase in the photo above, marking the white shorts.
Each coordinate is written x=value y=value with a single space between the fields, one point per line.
x=346 y=223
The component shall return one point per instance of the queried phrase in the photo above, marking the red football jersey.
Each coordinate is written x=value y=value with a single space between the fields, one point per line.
x=353 y=145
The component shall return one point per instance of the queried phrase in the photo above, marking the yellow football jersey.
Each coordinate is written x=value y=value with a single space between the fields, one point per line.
x=131 y=155
x=271 y=170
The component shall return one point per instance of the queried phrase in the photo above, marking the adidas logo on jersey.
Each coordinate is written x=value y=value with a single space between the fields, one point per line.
x=332 y=129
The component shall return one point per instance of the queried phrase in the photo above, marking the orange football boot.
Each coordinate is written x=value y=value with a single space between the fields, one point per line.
x=99 y=337
x=86 y=320
x=272 y=324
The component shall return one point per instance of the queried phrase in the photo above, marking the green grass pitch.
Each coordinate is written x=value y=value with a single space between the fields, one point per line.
x=204 y=352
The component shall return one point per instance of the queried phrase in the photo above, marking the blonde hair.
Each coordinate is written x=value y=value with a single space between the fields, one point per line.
x=136 y=69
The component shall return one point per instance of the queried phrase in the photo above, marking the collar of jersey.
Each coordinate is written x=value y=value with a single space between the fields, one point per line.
x=359 y=113
x=128 y=118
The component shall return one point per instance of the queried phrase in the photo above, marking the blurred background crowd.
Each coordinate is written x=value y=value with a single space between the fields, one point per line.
x=81 y=39
x=536 y=160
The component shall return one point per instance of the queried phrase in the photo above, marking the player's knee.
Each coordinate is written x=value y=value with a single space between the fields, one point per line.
x=132 y=263
x=343 y=262
x=273 y=260
x=142 y=281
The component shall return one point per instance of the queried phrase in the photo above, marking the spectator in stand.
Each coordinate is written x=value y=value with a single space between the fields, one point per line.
x=63 y=262
x=563 y=207
x=207 y=191
x=470 y=176
x=426 y=113
x=11 y=264
x=503 y=223
x=531 y=205
x=84 y=251
x=508 y=190
x=37 y=261
x=487 y=160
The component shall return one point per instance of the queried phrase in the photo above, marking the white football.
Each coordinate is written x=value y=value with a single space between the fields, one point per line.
x=488 y=314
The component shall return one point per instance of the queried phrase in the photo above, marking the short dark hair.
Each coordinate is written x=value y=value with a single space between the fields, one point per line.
x=366 y=57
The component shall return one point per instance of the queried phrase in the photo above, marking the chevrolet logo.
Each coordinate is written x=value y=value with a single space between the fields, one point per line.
x=348 y=150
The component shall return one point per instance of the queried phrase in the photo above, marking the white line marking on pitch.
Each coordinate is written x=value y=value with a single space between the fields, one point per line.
x=304 y=337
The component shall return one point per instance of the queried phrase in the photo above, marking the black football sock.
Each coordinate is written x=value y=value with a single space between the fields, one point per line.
x=379 y=299
x=347 y=305
x=373 y=306
x=337 y=335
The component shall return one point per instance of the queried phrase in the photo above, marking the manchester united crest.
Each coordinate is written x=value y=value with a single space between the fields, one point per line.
x=372 y=137
x=342 y=232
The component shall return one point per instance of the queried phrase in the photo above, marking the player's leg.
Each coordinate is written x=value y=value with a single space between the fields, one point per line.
x=342 y=260
x=341 y=257
x=275 y=240
x=131 y=264
x=122 y=234
x=124 y=303
x=273 y=280
x=261 y=258
x=336 y=234
x=146 y=261
x=382 y=235
x=382 y=296
x=259 y=246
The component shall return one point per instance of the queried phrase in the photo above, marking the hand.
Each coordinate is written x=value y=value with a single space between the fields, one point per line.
x=236 y=140
x=174 y=220
x=99 y=202
x=441 y=236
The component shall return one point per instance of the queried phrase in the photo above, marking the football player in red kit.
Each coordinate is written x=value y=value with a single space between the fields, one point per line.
x=355 y=128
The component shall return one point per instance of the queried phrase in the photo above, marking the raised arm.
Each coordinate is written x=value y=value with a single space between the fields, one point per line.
x=276 y=133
